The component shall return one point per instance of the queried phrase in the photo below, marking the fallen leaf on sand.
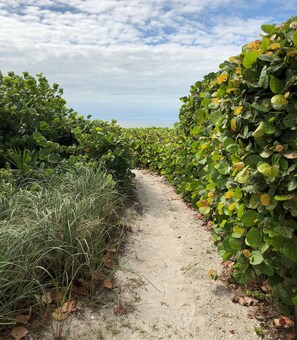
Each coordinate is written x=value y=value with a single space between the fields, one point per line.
x=59 y=315
x=212 y=273
x=244 y=300
x=19 y=332
x=119 y=309
x=69 y=307
x=283 y=322
x=107 y=284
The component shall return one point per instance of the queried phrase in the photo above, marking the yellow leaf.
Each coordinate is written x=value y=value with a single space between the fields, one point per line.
x=222 y=78
x=233 y=125
x=231 y=89
x=220 y=208
x=246 y=253
x=216 y=101
x=210 y=194
x=212 y=273
x=229 y=194
x=274 y=46
x=232 y=206
x=265 y=199
x=239 y=165
x=238 y=110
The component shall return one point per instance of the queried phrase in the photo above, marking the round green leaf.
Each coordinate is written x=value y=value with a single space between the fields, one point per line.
x=250 y=59
x=268 y=170
x=256 y=258
x=249 y=218
x=223 y=168
x=278 y=102
x=268 y=29
x=253 y=238
x=290 y=250
x=276 y=85
x=252 y=161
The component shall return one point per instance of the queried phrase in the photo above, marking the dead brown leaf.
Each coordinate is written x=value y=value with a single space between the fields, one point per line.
x=119 y=309
x=59 y=315
x=24 y=318
x=244 y=300
x=69 y=307
x=228 y=264
x=47 y=297
x=107 y=284
x=283 y=322
x=19 y=332
x=108 y=262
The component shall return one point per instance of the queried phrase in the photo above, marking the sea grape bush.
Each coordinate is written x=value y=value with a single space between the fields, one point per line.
x=37 y=129
x=242 y=124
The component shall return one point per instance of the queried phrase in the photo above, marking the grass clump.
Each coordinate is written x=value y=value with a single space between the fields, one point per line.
x=54 y=232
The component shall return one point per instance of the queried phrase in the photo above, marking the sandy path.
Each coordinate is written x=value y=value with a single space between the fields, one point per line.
x=164 y=274
x=163 y=279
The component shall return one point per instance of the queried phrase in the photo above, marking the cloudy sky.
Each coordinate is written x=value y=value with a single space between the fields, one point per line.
x=129 y=59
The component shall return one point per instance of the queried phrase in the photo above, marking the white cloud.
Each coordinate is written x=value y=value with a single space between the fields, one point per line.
x=122 y=54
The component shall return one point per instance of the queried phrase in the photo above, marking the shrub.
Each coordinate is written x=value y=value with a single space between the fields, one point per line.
x=241 y=123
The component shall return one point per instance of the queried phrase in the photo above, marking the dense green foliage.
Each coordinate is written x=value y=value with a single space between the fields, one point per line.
x=235 y=158
x=60 y=207
x=38 y=130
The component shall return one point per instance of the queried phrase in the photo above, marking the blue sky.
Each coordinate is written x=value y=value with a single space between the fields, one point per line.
x=129 y=59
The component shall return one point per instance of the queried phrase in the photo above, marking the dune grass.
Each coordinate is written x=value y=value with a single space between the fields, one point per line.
x=54 y=231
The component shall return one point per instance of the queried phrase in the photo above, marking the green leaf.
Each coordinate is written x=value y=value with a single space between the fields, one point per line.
x=268 y=170
x=268 y=29
x=223 y=168
x=250 y=59
x=292 y=185
x=244 y=276
x=290 y=250
x=215 y=117
x=259 y=132
x=256 y=258
x=43 y=125
x=243 y=176
x=232 y=148
x=290 y=120
x=294 y=39
x=294 y=300
x=265 y=44
x=269 y=129
x=264 y=79
x=276 y=85
x=252 y=161
x=253 y=238
x=249 y=218
x=284 y=197
x=278 y=102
